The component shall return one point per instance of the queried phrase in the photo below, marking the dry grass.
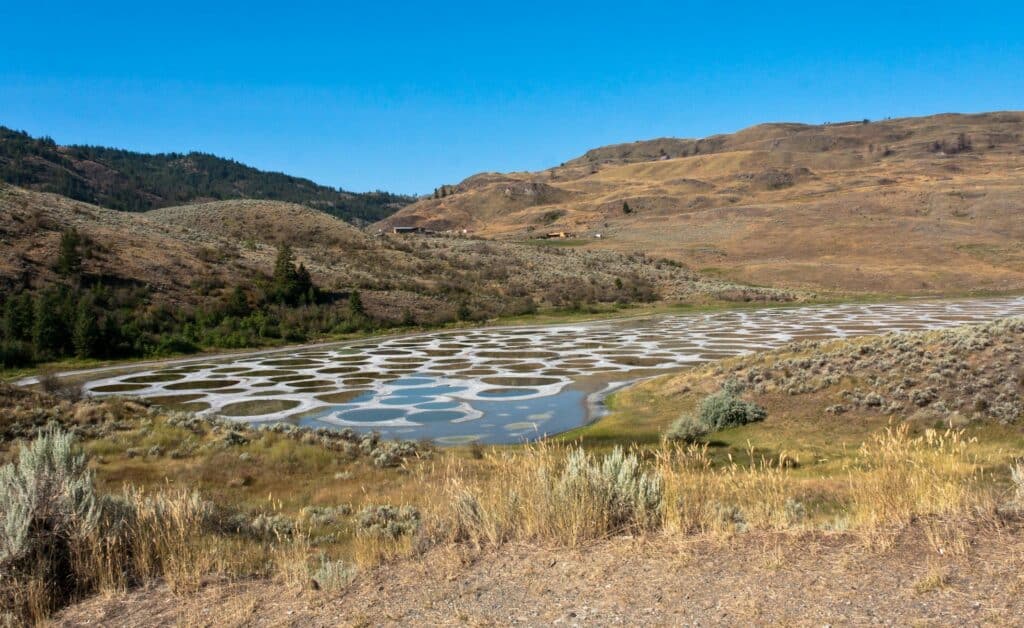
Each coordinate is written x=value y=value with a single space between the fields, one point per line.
x=160 y=537
x=561 y=497
x=894 y=479
x=902 y=477
x=937 y=577
x=549 y=493
x=855 y=207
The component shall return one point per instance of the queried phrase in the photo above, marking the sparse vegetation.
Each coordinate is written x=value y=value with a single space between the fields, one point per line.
x=768 y=198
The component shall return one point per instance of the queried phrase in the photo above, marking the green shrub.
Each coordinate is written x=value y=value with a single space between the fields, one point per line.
x=719 y=411
x=687 y=429
x=629 y=497
x=388 y=521
x=49 y=508
x=332 y=575
x=725 y=409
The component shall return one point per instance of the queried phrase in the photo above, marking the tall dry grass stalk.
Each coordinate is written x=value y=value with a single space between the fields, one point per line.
x=550 y=493
x=899 y=477
x=370 y=550
x=166 y=536
x=60 y=540
x=701 y=498
x=563 y=495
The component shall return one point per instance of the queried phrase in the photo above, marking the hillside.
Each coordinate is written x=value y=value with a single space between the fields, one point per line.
x=229 y=243
x=912 y=205
x=182 y=278
x=131 y=181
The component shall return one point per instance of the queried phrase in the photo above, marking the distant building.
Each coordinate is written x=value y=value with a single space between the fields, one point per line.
x=558 y=234
x=409 y=230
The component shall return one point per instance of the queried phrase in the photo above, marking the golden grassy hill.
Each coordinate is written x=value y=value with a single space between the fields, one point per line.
x=930 y=204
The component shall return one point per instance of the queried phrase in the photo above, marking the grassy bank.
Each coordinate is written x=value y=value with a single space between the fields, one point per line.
x=235 y=505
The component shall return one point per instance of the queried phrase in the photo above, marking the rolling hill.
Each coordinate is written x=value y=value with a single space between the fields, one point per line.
x=190 y=256
x=131 y=181
x=916 y=205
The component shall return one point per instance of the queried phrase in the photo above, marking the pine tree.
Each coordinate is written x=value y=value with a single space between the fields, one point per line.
x=19 y=312
x=355 y=305
x=69 y=260
x=284 y=275
x=49 y=332
x=304 y=289
x=626 y=209
x=291 y=285
x=237 y=303
x=86 y=333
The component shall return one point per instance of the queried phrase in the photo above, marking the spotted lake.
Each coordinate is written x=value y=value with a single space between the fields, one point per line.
x=502 y=385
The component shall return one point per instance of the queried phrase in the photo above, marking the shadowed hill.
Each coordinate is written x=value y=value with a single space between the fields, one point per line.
x=930 y=204
x=131 y=181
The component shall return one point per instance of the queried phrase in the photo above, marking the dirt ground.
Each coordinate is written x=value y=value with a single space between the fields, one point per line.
x=752 y=578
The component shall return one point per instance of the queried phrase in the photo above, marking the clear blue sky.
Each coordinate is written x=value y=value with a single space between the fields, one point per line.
x=406 y=96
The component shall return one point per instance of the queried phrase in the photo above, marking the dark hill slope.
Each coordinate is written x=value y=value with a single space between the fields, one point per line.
x=130 y=181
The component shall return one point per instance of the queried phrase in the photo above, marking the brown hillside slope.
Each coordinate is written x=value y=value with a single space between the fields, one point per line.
x=910 y=205
x=121 y=247
x=193 y=254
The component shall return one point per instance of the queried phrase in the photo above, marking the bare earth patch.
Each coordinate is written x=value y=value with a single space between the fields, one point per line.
x=755 y=578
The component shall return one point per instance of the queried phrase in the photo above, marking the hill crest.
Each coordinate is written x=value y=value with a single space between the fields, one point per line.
x=909 y=205
x=132 y=181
